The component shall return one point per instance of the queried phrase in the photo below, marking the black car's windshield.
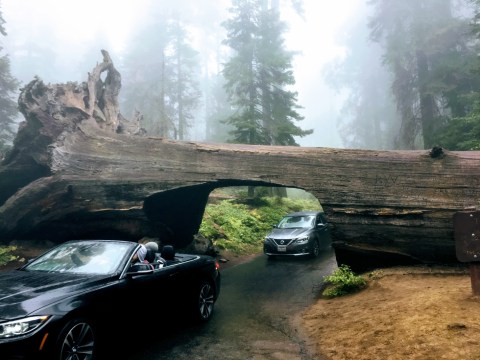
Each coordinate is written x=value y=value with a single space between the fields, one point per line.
x=83 y=257
x=289 y=222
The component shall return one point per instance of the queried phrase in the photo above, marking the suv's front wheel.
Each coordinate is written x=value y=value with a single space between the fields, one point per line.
x=315 y=251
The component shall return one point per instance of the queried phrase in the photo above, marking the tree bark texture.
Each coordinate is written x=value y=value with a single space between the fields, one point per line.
x=71 y=174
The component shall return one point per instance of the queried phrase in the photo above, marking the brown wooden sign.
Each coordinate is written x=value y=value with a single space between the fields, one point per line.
x=467 y=244
x=467 y=235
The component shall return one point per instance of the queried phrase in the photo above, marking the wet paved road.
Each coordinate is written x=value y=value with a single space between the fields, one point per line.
x=254 y=317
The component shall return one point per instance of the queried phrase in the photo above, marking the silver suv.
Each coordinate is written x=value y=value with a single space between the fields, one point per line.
x=297 y=234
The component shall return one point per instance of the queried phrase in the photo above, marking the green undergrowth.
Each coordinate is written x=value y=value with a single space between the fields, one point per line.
x=7 y=254
x=240 y=225
x=342 y=281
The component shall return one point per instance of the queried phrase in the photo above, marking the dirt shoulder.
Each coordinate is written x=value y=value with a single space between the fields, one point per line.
x=405 y=313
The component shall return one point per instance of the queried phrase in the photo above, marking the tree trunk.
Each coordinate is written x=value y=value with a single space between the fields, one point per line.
x=71 y=174
x=427 y=103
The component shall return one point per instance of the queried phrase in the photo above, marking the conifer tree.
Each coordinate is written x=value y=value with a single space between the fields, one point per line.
x=186 y=93
x=8 y=107
x=428 y=49
x=161 y=79
x=258 y=76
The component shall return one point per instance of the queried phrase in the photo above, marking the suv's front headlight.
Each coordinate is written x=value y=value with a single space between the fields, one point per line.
x=302 y=240
x=21 y=326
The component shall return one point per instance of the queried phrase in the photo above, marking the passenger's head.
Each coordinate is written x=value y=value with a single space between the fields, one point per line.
x=152 y=245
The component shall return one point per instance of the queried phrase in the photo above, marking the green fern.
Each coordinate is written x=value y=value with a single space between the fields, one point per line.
x=342 y=282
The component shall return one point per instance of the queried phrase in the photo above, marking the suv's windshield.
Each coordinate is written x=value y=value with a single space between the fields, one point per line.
x=304 y=221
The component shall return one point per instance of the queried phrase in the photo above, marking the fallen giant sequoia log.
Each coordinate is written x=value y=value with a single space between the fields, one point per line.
x=79 y=169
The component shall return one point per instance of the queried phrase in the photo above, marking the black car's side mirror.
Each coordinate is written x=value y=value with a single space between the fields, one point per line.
x=274 y=226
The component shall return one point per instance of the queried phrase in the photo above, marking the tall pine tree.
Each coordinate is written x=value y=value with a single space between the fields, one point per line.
x=8 y=107
x=258 y=76
x=161 y=79
x=186 y=94
x=463 y=130
x=367 y=119
x=428 y=50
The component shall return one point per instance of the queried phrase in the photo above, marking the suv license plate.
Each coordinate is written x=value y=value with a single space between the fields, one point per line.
x=282 y=248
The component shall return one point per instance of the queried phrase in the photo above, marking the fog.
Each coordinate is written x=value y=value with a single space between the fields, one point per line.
x=60 y=41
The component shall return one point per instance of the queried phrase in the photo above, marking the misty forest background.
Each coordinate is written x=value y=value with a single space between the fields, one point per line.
x=409 y=78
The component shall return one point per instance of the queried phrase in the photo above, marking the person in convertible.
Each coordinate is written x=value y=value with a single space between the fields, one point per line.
x=148 y=254
x=140 y=255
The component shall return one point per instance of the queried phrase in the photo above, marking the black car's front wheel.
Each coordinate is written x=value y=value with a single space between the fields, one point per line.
x=315 y=251
x=76 y=341
x=205 y=301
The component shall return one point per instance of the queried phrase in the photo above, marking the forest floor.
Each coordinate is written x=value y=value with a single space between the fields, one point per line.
x=405 y=313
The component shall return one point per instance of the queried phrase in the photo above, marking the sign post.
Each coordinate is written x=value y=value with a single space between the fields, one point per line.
x=467 y=244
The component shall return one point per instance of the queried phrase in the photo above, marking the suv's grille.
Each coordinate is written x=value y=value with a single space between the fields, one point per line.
x=282 y=241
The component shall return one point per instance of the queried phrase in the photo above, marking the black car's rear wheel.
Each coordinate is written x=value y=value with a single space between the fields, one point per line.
x=315 y=249
x=76 y=341
x=205 y=301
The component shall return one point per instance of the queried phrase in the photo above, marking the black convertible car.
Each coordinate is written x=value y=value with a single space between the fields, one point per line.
x=58 y=305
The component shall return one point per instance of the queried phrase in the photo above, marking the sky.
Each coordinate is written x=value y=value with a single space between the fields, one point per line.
x=315 y=38
x=78 y=21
